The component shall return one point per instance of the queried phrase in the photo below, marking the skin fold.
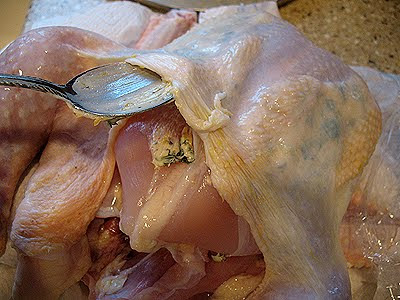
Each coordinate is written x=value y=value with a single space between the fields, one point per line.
x=48 y=242
x=76 y=166
x=22 y=131
x=286 y=128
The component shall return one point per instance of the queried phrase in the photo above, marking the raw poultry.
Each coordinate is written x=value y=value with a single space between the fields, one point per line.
x=275 y=132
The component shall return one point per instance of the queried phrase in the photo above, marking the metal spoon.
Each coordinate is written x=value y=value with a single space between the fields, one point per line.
x=110 y=92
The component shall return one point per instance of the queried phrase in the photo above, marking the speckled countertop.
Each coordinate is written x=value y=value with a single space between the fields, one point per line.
x=361 y=32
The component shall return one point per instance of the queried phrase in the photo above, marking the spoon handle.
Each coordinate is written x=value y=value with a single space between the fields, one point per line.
x=33 y=83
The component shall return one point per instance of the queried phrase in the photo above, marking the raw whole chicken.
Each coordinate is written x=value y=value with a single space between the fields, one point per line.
x=286 y=127
x=237 y=189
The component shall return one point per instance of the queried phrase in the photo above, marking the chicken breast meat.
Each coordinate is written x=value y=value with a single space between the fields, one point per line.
x=286 y=127
x=258 y=155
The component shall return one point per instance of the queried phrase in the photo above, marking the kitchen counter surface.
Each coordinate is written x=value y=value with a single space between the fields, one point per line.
x=361 y=32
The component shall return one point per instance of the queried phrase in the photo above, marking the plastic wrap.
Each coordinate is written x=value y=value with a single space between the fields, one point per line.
x=373 y=218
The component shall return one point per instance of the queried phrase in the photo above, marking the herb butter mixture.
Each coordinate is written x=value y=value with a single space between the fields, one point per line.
x=169 y=149
x=272 y=132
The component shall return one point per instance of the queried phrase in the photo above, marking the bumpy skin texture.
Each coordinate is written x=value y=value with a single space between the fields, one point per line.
x=370 y=230
x=27 y=116
x=283 y=157
x=74 y=170
x=295 y=128
x=122 y=21
x=64 y=193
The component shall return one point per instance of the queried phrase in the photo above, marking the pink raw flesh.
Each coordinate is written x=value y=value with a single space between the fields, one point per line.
x=135 y=168
x=205 y=220
x=163 y=29
x=218 y=272
x=148 y=277
x=145 y=274
x=202 y=217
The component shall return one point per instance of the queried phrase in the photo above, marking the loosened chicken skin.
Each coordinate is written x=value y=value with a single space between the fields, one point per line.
x=264 y=141
x=82 y=173
x=27 y=116
x=294 y=127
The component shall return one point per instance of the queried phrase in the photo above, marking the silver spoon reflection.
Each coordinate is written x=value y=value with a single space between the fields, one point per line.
x=110 y=92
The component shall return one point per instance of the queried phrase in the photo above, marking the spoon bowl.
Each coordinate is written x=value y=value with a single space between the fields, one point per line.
x=109 y=92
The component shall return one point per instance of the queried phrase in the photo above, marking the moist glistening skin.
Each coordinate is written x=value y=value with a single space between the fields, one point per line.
x=237 y=189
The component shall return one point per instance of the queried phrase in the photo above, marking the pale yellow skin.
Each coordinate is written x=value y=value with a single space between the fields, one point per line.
x=65 y=191
x=294 y=128
x=286 y=127
x=27 y=116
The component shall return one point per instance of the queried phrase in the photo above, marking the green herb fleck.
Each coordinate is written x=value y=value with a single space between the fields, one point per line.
x=218 y=257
